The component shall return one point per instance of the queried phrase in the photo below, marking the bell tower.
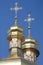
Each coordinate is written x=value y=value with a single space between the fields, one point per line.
x=30 y=45
x=15 y=37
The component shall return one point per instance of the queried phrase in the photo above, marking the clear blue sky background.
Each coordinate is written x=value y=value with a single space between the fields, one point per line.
x=7 y=20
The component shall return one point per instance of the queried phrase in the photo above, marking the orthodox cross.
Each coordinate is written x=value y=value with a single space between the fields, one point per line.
x=29 y=19
x=16 y=9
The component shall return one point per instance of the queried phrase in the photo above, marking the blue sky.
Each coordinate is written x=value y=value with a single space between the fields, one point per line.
x=7 y=20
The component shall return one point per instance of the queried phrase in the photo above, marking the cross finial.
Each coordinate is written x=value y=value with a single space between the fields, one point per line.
x=16 y=9
x=29 y=19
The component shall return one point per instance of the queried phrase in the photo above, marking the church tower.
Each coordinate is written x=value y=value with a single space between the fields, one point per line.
x=15 y=37
x=30 y=45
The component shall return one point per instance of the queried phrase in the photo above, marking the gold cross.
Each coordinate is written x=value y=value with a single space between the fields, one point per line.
x=16 y=9
x=29 y=19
